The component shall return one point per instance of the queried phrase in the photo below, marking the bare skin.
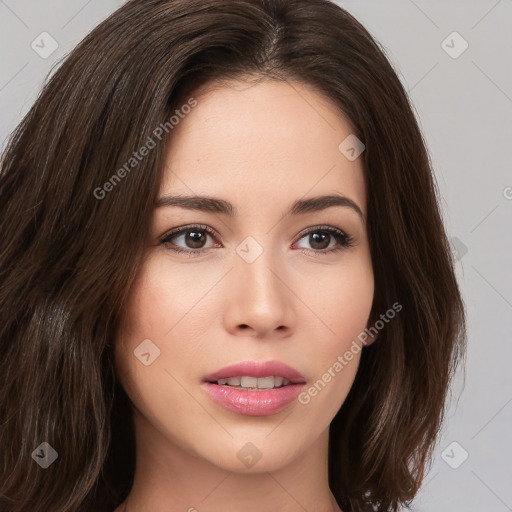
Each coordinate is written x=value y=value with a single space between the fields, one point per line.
x=261 y=147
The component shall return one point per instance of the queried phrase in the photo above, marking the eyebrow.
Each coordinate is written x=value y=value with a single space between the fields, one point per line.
x=220 y=206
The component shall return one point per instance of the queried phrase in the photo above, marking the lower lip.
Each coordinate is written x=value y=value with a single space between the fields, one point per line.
x=253 y=403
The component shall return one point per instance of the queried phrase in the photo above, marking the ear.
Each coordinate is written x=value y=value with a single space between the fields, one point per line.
x=372 y=333
x=371 y=336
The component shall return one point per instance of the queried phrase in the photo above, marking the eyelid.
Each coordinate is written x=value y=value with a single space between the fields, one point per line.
x=188 y=227
x=340 y=234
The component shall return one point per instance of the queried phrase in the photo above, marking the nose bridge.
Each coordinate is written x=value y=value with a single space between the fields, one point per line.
x=257 y=271
x=260 y=299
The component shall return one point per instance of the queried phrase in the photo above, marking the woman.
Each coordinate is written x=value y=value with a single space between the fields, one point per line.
x=225 y=279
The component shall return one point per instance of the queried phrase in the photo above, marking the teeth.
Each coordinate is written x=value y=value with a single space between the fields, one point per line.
x=255 y=382
x=249 y=382
x=265 y=382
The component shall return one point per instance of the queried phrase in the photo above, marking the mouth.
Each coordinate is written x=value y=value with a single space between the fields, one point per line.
x=254 y=388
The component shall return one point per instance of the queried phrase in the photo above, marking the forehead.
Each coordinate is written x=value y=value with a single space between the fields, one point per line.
x=274 y=139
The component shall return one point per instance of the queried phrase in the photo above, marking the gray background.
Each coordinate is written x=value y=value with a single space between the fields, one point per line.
x=464 y=107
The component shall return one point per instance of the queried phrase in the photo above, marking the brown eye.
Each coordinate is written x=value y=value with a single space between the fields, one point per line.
x=188 y=239
x=326 y=239
x=192 y=238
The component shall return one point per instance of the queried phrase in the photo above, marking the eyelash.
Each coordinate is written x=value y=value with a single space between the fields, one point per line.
x=344 y=241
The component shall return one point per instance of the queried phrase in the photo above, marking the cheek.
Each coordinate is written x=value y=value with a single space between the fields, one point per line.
x=164 y=298
x=341 y=301
x=145 y=317
x=350 y=317
x=154 y=316
x=164 y=306
x=344 y=302
x=351 y=304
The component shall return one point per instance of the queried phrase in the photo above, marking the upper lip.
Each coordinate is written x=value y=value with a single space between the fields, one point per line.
x=257 y=369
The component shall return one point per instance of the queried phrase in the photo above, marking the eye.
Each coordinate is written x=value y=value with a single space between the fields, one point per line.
x=191 y=240
x=194 y=238
x=326 y=240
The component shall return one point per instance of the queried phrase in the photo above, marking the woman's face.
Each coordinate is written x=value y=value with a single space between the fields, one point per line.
x=271 y=283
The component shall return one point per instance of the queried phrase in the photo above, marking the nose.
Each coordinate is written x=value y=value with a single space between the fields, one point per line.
x=259 y=299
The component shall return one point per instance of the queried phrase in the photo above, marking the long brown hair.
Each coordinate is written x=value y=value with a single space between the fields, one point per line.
x=72 y=239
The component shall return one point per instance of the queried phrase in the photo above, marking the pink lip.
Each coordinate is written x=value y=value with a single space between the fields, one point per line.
x=254 y=402
x=257 y=369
